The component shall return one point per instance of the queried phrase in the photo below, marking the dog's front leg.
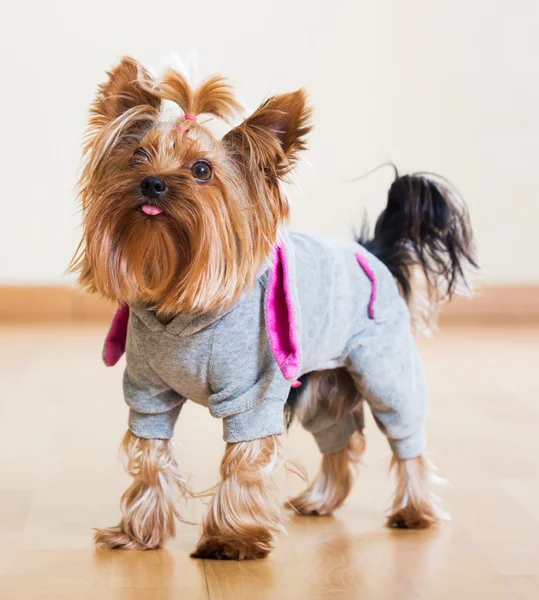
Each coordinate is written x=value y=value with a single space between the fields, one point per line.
x=150 y=504
x=243 y=516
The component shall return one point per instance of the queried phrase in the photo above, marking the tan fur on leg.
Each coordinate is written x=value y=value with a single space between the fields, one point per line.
x=243 y=516
x=149 y=505
x=415 y=506
x=333 y=483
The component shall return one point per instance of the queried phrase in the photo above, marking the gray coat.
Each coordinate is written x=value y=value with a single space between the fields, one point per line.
x=322 y=303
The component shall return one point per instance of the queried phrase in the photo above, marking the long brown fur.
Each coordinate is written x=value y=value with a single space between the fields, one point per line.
x=209 y=245
x=415 y=506
x=150 y=506
x=244 y=516
x=213 y=97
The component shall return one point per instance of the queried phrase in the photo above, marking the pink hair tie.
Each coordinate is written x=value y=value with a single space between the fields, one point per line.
x=189 y=117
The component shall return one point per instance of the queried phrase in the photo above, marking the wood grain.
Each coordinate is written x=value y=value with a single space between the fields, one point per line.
x=62 y=417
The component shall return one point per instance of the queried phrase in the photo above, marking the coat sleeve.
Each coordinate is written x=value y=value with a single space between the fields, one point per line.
x=249 y=390
x=153 y=406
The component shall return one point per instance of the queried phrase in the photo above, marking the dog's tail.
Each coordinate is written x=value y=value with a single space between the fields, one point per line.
x=424 y=226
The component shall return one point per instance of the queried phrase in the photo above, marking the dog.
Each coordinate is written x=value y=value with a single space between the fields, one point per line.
x=220 y=304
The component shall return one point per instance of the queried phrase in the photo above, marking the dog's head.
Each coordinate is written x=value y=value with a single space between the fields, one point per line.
x=173 y=217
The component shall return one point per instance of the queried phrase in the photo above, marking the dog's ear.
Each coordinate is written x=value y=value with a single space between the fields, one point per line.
x=272 y=137
x=123 y=92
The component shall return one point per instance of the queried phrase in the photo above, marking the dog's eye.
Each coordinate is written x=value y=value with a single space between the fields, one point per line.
x=139 y=157
x=202 y=171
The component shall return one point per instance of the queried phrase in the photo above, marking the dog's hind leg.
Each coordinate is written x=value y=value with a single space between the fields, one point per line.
x=333 y=482
x=330 y=408
x=415 y=506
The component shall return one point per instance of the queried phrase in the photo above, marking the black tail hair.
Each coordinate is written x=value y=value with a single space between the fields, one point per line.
x=425 y=224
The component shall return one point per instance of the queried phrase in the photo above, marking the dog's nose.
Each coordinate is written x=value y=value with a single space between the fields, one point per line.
x=152 y=187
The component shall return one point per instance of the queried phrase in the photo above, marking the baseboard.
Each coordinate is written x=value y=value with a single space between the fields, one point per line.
x=65 y=304
x=495 y=303
x=51 y=304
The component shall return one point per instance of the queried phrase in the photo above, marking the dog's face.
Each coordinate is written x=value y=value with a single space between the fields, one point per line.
x=174 y=217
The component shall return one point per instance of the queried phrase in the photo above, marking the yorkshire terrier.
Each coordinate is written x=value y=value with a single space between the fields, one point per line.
x=221 y=305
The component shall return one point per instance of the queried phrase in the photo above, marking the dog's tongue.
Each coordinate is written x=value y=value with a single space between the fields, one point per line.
x=151 y=210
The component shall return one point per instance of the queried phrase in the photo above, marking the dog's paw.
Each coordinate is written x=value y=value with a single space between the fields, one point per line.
x=412 y=518
x=312 y=504
x=301 y=506
x=228 y=550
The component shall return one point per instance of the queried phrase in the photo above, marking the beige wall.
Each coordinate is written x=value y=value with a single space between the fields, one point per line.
x=447 y=86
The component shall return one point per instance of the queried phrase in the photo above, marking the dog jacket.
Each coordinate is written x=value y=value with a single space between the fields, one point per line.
x=321 y=303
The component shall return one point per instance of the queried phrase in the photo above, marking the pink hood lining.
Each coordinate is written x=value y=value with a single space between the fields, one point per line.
x=280 y=316
x=117 y=336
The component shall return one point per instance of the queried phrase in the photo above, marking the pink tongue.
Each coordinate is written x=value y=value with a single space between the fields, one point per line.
x=151 y=210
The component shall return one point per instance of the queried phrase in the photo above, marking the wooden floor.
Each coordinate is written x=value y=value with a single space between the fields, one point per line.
x=62 y=417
